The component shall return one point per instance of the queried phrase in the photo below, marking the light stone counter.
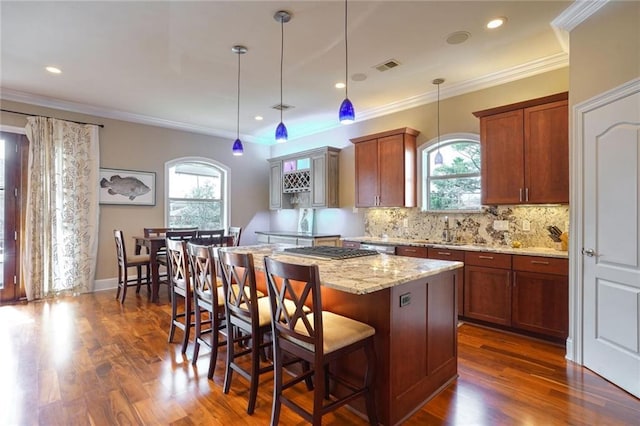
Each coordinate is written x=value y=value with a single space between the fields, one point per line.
x=361 y=275
x=527 y=251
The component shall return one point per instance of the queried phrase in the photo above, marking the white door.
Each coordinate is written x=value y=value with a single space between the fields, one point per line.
x=611 y=252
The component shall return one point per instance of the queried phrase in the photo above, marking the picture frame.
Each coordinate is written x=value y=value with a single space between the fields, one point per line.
x=305 y=221
x=127 y=187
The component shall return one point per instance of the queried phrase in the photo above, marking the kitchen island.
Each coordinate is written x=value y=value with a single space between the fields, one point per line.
x=412 y=305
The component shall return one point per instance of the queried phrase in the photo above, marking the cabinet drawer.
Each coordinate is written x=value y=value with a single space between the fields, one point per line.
x=411 y=251
x=350 y=244
x=491 y=260
x=548 y=265
x=445 y=254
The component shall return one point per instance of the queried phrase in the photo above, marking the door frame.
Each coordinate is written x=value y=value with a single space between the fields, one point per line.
x=574 y=347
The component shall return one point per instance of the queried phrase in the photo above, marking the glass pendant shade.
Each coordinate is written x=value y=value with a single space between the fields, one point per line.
x=347 y=114
x=438 y=159
x=238 y=149
x=281 y=133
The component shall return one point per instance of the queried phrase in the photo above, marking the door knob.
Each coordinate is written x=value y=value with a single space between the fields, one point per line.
x=589 y=252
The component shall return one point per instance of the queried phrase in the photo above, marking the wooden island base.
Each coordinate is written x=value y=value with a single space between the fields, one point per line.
x=416 y=341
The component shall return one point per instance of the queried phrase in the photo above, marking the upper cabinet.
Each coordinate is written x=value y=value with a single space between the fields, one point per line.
x=386 y=169
x=525 y=152
x=304 y=179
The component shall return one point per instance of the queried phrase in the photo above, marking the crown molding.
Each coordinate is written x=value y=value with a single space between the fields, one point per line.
x=550 y=63
x=577 y=13
x=529 y=69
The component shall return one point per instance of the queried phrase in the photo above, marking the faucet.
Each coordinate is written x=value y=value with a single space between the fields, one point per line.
x=447 y=235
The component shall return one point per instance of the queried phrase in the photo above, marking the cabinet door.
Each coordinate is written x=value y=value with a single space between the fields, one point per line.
x=546 y=142
x=502 y=156
x=318 y=184
x=455 y=255
x=391 y=168
x=366 y=173
x=541 y=303
x=487 y=294
x=275 y=185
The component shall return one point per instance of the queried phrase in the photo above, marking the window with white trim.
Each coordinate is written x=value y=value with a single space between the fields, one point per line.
x=454 y=184
x=196 y=194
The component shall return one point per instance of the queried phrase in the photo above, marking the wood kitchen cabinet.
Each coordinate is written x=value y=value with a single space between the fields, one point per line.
x=525 y=152
x=456 y=256
x=541 y=295
x=385 y=168
x=487 y=287
x=304 y=179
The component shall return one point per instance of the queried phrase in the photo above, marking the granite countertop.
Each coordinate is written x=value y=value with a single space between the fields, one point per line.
x=359 y=275
x=297 y=234
x=528 y=251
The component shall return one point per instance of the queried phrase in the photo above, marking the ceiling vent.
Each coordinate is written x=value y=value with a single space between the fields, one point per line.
x=282 y=107
x=387 y=65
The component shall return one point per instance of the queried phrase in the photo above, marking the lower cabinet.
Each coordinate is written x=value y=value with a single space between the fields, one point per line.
x=298 y=241
x=487 y=287
x=456 y=256
x=540 y=295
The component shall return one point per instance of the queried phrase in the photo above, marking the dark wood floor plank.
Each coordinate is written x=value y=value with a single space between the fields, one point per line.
x=89 y=360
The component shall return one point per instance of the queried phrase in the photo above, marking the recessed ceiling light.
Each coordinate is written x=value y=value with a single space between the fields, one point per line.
x=258 y=118
x=496 y=22
x=53 y=70
x=340 y=85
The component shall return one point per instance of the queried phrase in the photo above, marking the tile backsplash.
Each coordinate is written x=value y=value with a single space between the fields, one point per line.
x=472 y=228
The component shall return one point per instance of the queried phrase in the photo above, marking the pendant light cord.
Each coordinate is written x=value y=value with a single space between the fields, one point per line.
x=439 y=117
x=238 y=109
x=281 y=61
x=346 y=54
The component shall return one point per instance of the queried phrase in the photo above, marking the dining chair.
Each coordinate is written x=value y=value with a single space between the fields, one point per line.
x=248 y=321
x=211 y=237
x=208 y=297
x=235 y=232
x=129 y=261
x=181 y=286
x=318 y=337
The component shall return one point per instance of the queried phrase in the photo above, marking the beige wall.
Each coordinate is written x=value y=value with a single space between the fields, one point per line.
x=125 y=145
x=605 y=50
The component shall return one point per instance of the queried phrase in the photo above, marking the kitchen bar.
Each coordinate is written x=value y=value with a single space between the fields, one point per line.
x=411 y=304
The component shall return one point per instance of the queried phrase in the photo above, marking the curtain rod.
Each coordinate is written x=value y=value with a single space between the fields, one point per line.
x=37 y=115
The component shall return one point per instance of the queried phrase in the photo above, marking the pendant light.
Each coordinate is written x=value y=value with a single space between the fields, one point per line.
x=237 y=145
x=281 y=16
x=346 y=114
x=438 y=160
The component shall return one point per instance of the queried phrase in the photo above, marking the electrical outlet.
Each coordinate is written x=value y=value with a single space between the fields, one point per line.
x=405 y=223
x=526 y=225
x=405 y=299
x=355 y=210
x=501 y=225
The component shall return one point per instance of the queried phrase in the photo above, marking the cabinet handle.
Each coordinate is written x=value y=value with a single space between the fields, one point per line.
x=485 y=257
x=409 y=250
x=526 y=194
x=539 y=262
x=520 y=194
x=444 y=253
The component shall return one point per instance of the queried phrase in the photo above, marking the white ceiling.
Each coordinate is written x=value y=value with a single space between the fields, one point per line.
x=171 y=64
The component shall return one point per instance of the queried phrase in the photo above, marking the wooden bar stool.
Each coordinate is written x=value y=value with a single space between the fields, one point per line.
x=129 y=261
x=248 y=321
x=318 y=337
x=181 y=286
x=208 y=297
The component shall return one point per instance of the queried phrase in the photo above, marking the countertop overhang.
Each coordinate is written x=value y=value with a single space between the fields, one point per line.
x=360 y=275
x=527 y=251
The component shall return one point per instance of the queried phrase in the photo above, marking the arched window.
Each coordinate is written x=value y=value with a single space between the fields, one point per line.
x=454 y=184
x=197 y=194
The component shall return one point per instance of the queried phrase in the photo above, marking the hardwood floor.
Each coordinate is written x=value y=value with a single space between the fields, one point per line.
x=88 y=360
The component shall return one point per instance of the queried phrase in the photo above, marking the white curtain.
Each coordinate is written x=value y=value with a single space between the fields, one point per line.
x=61 y=228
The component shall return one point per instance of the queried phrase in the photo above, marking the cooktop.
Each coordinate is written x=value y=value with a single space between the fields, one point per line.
x=329 y=252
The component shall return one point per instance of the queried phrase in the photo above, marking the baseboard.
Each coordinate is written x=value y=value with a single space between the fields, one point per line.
x=104 y=285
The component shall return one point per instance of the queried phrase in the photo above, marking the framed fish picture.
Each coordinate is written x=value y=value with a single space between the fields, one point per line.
x=129 y=187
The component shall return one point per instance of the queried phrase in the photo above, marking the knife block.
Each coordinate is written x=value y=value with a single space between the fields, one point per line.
x=564 y=241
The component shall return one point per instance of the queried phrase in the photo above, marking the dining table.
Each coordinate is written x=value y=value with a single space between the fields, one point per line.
x=154 y=245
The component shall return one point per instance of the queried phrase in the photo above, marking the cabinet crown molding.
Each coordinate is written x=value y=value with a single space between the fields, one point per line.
x=402 y=130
